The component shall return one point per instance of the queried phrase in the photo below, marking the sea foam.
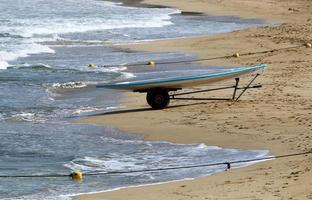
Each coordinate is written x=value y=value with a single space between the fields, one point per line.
x=31 y=31
x=22 y=51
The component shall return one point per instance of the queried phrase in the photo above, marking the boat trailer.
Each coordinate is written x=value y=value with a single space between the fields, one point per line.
x=159 y=98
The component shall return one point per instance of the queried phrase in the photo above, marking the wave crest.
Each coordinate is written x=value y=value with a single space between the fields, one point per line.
x=69 y=85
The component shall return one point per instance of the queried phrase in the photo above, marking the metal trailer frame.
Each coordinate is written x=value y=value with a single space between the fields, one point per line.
x=159 y=98
x=234 y=98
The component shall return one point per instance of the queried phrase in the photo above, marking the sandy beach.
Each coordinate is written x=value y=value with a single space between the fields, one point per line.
x=277 y=117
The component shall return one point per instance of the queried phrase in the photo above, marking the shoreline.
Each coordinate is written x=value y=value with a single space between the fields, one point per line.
x=159 y=183
x=276 y=126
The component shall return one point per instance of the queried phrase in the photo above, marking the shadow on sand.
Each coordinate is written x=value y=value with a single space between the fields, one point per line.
x=147 y=109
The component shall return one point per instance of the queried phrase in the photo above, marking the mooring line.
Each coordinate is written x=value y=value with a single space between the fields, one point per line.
x=228 y=165
x=152 y=62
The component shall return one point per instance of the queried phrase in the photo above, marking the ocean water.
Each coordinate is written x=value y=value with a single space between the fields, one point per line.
x=45 y=83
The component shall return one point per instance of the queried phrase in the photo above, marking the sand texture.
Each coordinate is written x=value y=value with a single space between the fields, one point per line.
x=277 y=117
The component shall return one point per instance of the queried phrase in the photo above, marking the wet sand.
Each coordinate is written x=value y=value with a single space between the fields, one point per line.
x=277 y=117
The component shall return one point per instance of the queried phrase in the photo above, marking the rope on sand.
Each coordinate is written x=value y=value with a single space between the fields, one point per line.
x=78 y=176
x=236 y=55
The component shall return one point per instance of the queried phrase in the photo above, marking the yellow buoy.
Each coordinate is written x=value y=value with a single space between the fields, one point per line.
x=308 y=45
x=77 y=175
x=236 y=55
x=151 y=62
x=92 y=65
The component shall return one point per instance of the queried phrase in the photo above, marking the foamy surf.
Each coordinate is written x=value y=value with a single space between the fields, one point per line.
x=168 y=155
x=27 y=117
x=22 y=51
x=86 y=109
x=83 y=84
x=181 y=155
x=30 y=30
x=4 y=65
x=69 y=85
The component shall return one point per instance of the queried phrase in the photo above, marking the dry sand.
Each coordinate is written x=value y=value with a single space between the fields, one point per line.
x=277 y=117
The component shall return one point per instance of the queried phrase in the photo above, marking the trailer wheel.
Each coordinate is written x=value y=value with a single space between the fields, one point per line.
x=158 y=99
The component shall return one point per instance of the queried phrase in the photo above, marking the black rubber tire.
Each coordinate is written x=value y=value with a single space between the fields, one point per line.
x=158 y=99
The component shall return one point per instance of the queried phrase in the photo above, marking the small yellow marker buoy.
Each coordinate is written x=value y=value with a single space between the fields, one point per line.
x=236 y=55
x=92 y=65
x=308 y=45
x=76 y=175
x=151 y=62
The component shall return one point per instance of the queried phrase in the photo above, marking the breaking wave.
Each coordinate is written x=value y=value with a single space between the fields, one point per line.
x=27 y=34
